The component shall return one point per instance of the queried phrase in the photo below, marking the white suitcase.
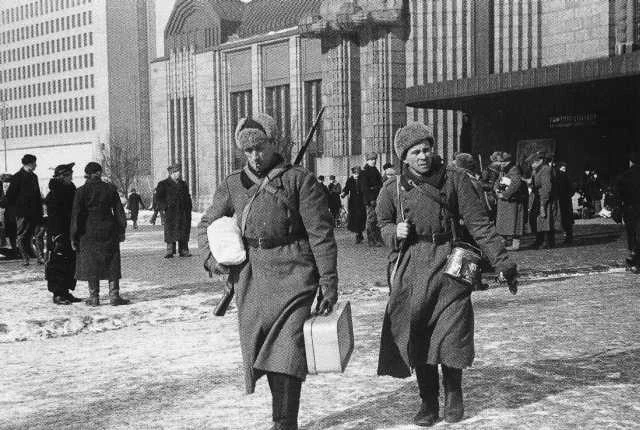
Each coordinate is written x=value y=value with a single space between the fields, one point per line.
x=328 y=340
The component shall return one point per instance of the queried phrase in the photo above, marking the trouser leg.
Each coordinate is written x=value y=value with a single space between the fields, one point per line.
x=374 y=236
x=183 y=248
x=285 y=392
x=171 y=250
x=24 y=236
x=453 y=405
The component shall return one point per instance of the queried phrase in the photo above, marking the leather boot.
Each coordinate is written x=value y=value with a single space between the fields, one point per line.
x=453 y=406
x=94 y=294
x=515 y=245
x=114 y=294
x=551 y=239
x=171 y=249
x=285 y=393
x=429 y=387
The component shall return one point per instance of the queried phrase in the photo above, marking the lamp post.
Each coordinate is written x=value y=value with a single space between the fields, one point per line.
x=3 y=106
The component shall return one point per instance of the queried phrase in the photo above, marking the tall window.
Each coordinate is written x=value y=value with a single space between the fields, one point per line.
x=240 y=108
x=277 y=104
x=313 y=104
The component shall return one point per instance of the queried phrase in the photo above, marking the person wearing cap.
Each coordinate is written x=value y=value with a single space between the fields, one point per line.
x=286 y=225
x=134 y=203
x=26 y=199
x=357 y=212
x=371 y=183
x=335 y=189
x=626 y=187
x=513 y=197
x=428 y=321
x=544 y=207
x=98 y=225
x=60 y=268
x=565 y=194
x=174 y=199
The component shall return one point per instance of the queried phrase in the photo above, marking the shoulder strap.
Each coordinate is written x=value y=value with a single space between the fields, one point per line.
x=247 y=207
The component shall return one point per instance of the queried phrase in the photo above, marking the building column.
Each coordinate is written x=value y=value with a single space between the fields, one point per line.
x=383 y=80
x=257 y=83
x=296 y=95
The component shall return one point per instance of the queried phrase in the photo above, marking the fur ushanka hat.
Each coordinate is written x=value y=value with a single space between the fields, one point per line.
x=410 y=135
x=252 y=130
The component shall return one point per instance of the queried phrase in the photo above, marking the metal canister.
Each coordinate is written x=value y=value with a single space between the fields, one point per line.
x=463 y=263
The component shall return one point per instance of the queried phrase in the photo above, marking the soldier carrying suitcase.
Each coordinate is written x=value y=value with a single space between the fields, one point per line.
x=283 y=214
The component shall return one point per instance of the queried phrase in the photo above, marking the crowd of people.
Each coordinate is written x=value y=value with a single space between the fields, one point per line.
x=76 y=233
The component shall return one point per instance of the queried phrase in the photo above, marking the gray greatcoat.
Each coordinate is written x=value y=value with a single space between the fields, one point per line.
x=512 y=204
x=429 y=316
x=98 y=223
x=545 y=200
x=276 y=287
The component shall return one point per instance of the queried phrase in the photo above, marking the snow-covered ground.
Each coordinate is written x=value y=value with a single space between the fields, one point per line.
x=562 y=354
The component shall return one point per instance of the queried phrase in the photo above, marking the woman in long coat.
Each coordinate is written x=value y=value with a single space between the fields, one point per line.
x=429 y=316
x=357 y=216
x=98 y=224
x=513 y=197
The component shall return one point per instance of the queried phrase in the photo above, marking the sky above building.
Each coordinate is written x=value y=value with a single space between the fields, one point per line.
x=163 y=10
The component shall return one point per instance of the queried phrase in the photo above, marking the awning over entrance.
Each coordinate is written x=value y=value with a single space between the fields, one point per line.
x=460 y=94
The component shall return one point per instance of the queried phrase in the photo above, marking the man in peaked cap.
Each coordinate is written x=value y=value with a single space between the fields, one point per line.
x=371 y=183
x=429 y=317
x=545 y=208
x=286 y=225
x=172 y=196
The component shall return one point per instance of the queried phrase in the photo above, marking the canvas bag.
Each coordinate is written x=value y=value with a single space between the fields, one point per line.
x=225 y=241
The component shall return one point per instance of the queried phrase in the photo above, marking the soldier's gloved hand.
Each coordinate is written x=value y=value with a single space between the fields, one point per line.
x=212 y=266
x=328 y=300
x=510 y=278
x=402 y=230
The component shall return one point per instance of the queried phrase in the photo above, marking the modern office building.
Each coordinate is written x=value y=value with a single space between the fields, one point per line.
x=74 y=81
x=514 y=75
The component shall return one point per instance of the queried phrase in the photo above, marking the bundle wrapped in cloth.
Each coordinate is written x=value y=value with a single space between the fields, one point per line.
x=225 y=241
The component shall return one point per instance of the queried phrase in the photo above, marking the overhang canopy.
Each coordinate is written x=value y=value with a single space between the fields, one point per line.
x=459 y=94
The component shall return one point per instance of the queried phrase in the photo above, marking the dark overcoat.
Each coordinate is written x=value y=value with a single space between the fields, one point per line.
x=24 y=196
x=98 y=224
x=370 y=183
x=134 y=203
x=357 y=216
x=565 y=193
x=174 y=199
x=545 y=200
x=429 y=316
x=512 y=204
x=276 y=287
x=627 y=186
x=60 y=268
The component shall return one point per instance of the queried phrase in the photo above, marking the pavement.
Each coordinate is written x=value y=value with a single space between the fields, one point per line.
x=563 y=353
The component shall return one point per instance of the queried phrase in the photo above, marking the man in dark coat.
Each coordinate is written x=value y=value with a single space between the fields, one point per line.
x=357 y=215
x=565 y=194
x=60 y=267
x=429 y=316
x=371 y=183
x=283 y=214
x=627 y=186
x=134 y=203
x=98 y=225
x=174 y=199
x=544 y=206
x=25 y=197
x=335 y=204
x=513 y=198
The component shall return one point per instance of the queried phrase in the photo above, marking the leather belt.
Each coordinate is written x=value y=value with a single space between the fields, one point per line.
x=269 y=243
x=436 y=238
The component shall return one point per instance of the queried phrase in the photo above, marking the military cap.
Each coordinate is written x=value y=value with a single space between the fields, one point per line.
x=465 y=161
x=92 y=167
x=175 y=167
x=371 y=156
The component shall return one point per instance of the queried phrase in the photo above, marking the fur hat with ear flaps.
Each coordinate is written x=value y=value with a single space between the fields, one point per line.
x=252 y=130
x=409 y=136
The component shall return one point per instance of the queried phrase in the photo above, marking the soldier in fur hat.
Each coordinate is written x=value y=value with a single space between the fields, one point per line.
x=283 y=214
x=429 y=317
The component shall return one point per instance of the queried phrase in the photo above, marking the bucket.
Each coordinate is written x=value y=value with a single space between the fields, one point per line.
x=463 y=263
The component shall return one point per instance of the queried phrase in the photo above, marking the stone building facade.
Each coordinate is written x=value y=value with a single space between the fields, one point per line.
x=486 y=74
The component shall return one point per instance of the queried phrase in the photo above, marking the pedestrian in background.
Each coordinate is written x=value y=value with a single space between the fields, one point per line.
x=371 y=183
x=134 y=203
x=429 y=316
x=25 y=198
x=565 y=195
x=357 y=215
x=291 y=253
x=593 y=192
x=335 y=204
x=10 y=228
x=60 y=267
x=388 y=172
x=513 y=196
x=98 y=225
x=627 y=186
x=174 y=199
x=156 y=209
x=544 y=207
